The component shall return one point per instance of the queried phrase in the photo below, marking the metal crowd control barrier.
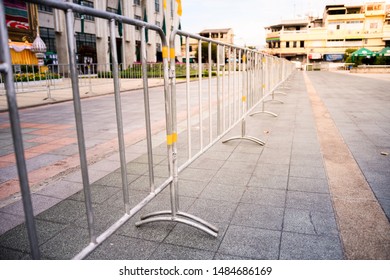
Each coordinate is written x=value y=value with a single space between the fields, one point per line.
x=70 y=9
x=245 y=78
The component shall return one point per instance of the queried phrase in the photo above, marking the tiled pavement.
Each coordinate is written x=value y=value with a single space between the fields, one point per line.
x=271 y=202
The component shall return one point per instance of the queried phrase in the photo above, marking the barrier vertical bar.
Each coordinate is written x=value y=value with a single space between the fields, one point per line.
x=79 y=124
x=147 y=109
x=6 y=69
x=234 y=84
x=229 y=89
x=209 y=93
x=218 y=93
x=200 y=94
x=119 y=121
x=189 y=128
x=223 y=91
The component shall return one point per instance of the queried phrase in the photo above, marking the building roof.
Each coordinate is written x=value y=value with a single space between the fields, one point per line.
x=223 y=30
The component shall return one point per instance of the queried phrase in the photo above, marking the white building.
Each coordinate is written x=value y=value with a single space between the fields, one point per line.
x=92 y=43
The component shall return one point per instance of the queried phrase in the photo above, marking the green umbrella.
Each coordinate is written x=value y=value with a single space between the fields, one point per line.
x=384 y=52
x=362 y=52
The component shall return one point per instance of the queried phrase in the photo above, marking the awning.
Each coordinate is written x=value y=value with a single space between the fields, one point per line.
x=274 y=39
x=21 y=53
x=333 y=57
x=315 y=56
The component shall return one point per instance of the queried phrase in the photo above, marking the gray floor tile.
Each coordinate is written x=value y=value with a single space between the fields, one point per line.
x=118 y=247
x=253 y=243
x=310 y=222
x=267 y=181
x=213 y=210
x=297 y=246
x=264 y=196
x=173 y=252
x=309 y=201
x=184 y=235
x=308 y=185
x=251 y=215
x=224 y=192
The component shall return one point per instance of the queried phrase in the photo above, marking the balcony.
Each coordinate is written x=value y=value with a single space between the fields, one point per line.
x=345 y=17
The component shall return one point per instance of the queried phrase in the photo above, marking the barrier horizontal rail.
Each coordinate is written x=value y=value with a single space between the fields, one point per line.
x=238 y=91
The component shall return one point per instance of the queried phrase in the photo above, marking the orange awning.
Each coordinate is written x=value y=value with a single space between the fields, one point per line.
x=21 y=53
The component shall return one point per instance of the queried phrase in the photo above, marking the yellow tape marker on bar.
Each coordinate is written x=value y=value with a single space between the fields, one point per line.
x=171 y=138
x=165 y=52
x=263 y=59
x=243 y=58
x=263 y=86
x=173 y=53
x=243 y=98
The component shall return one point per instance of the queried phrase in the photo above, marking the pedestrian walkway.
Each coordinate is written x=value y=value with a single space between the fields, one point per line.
x=95 y=87
x=289 y=199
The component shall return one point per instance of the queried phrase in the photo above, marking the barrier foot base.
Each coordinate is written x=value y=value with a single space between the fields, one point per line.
x=264 y=112
x=249 y=138
x=49 y=99
x=280 y=92
x=180 y=217
x=274 y=100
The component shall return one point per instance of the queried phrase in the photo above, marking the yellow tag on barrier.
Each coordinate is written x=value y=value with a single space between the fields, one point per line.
x=243 y=98
x=171 y=138
x=263 y=86
x=165 y=52
x=172 y=53
x=243 y=58
x=263 y=60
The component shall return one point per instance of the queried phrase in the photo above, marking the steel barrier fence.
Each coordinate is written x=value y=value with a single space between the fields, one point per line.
x=240 y=85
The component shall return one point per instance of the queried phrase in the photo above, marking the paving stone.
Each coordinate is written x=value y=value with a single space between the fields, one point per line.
x=268 y=181
x=17 y=237
x=264 y=196
x=118 y=247
x=251 y=215
x=308 y=185
x=184 y=235
x=253 y=243
x=310 y=247
x=173 y=252
x=310 y=222
x=215 y=191
x=309 y=201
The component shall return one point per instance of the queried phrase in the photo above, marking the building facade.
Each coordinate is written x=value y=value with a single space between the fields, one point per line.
x=342 y=27
x=92 y=34
x=225 y=35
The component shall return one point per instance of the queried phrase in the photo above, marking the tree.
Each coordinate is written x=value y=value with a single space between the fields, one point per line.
x=205 y=52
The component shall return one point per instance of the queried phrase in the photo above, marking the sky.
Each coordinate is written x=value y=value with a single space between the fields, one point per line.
x=248 y=18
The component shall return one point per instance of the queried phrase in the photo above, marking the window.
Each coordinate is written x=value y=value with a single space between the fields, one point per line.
x=294 y=44
x=302 y=44
x=287 y=44
x=86 y=4
x=44 y=8
x=157 y=6
x=137 y=18
x=137 y=2
x=86 y=46
x=158 y=23
x=48 y=36
x=112 y=10
x=373 y=25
